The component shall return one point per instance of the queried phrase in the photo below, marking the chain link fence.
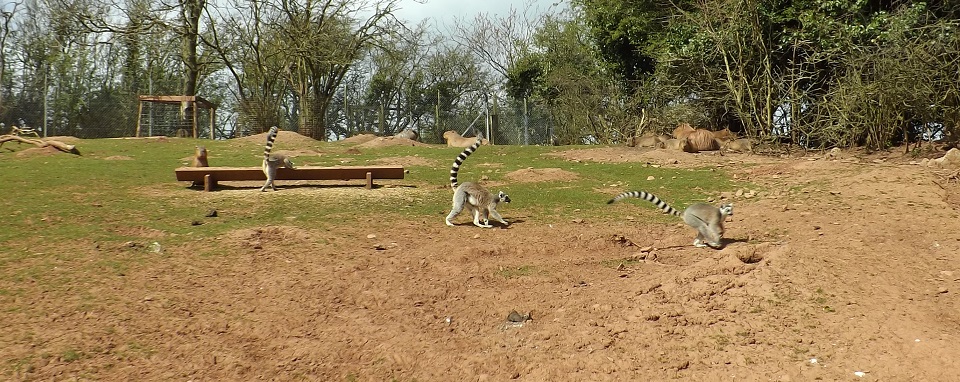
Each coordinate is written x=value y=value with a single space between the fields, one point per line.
x=514 y=124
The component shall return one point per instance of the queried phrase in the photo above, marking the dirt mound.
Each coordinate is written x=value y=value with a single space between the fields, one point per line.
x=360 y=138
x=390 y=141
x=38 y=151
x=541 y=175
x=408 y=161
x=287 y=137
x=68 y=139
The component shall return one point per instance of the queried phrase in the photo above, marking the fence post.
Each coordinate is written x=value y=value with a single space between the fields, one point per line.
x=526 y=124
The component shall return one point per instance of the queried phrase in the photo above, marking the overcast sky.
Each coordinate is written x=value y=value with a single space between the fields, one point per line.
x=444 y=12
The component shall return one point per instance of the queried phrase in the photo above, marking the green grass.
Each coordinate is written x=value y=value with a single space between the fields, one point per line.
x=122 y=190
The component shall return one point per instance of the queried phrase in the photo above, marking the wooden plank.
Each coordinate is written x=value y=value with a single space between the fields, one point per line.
x=221 y=174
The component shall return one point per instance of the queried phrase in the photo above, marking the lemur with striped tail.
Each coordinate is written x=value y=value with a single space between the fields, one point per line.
x=271 y=162
x=481 y=202
x=705 y=218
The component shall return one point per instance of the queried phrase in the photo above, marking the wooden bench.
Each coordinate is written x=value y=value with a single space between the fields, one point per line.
x=211 y=175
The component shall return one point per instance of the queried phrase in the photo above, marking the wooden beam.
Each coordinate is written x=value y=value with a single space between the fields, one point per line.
x=221 y=174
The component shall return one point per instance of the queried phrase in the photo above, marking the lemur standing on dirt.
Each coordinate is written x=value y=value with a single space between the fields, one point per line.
x=482 y=203
x=705 y=218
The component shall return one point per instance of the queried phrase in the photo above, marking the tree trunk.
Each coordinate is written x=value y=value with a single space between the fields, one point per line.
x=311 y=118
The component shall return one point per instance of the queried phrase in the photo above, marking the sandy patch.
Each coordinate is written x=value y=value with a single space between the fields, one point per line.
x=283 y=137
x=390 y=141
x=408 y=161
x=541 y=175
x=38 y=151
x=357 y=139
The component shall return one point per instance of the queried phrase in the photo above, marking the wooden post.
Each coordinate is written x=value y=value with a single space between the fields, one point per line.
x=213 y=116
x=193 y=105
x=209 y=183
x=369 y=180
x=139 y=116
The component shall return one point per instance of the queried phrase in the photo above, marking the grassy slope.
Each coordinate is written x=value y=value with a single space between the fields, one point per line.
x=63 y=197
x=68 y=217
x=62 y=209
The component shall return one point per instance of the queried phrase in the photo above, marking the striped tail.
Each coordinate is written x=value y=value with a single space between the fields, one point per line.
x=648 y=197
x=460 y=158
x=271 y=137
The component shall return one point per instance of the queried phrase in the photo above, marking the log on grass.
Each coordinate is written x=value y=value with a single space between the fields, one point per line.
x=41 y=143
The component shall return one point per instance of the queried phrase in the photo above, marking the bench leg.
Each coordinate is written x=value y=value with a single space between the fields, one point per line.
x=208 y=183
x=369 y=180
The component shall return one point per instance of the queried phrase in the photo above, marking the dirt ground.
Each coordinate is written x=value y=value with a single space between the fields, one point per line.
x=836 y=268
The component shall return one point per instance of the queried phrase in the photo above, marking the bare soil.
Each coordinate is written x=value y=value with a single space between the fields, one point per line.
x=834 y=269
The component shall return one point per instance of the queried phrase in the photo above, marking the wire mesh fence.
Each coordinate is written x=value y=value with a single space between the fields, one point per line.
x=514 y=124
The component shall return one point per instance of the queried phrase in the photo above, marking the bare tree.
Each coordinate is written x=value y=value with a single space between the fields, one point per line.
x=7 y=13
x=499 y=42
x=321 y=41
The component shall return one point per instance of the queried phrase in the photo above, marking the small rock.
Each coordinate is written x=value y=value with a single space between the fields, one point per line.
x=651 y=177
x=211 y=214
x=517 y=317
x=577 y=220
x=379 y=247
x=942 y=290
x=371 y=236
x=646 y=249
x=195 y=222
x=477 y=236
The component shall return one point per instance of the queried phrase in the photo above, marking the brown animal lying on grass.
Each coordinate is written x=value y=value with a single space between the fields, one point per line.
x=674 y=144
x=724 y=135
x=646 y=141
x=683 y=131
x=702 y=140
x=455 y=140
x=743 y=145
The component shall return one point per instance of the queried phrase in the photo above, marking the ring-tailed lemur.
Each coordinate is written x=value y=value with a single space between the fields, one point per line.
x=481 y=202
x=271 y=162
x=705 y=218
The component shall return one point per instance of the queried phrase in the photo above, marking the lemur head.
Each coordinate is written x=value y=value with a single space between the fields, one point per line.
x=726 y=209
x=503 y=197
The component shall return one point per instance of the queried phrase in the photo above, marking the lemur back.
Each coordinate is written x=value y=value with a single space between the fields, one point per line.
x=271 y=162
x=705 y=218
x=481 y=202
